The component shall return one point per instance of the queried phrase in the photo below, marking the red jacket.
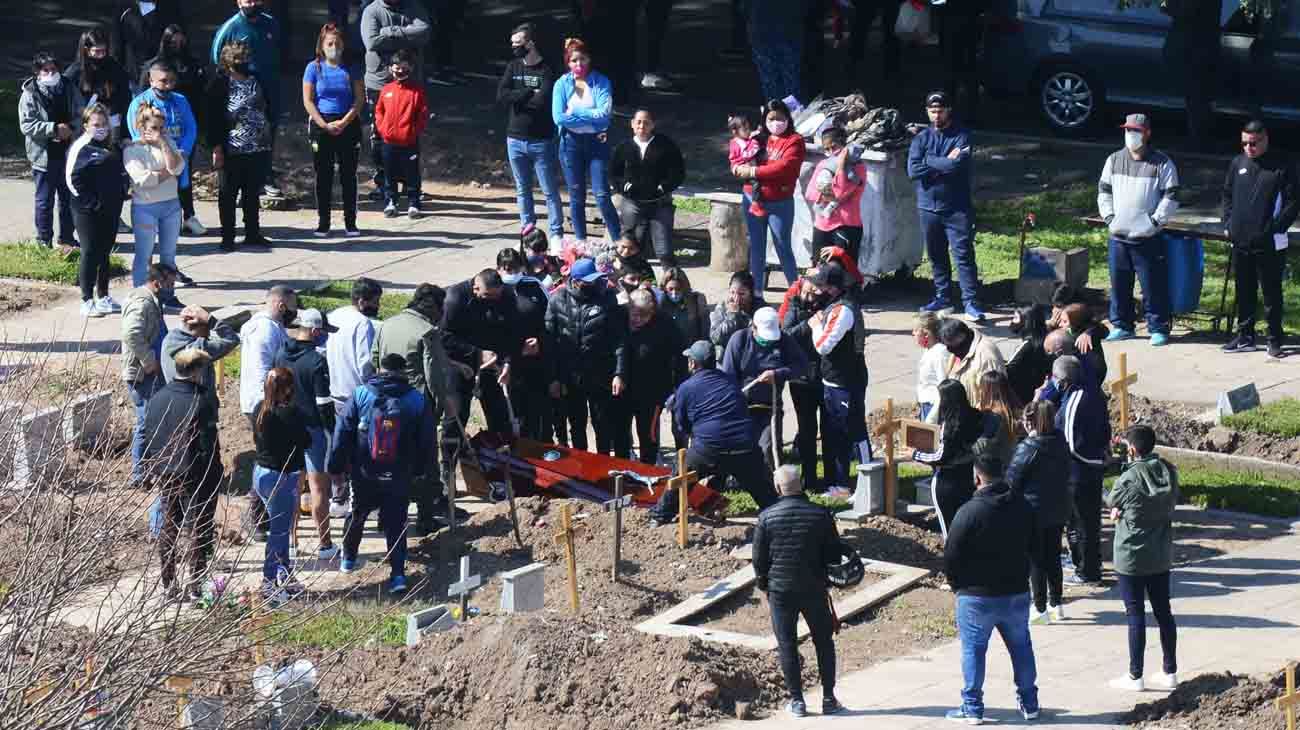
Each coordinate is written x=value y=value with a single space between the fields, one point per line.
x=401 y=113
x=779 y=174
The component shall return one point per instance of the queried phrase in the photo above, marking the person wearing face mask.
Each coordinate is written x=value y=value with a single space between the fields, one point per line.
x=973 y=354
x=99 y=77
x=525 y=90
x=686 y=308
x=139 y=29
x=581 y=106
x=261 y=338
x=48 y=116
x=401 y=114
x=633 y=275
x=1137 y=195
x=806 y=393
x=262 y=34
x=654 y=368
x=588 y=329
x=733 y=315
x=333 y=95
x=784 y=153
x=98 y=183
x=527 y=394
x=191 y=80
x=645 y=170
x=347 y=355
x=154 y=163
x=764 y=357
x=239 y=132
x=388 y=26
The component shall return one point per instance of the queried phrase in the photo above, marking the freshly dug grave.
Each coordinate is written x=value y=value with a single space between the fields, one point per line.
x=16 y=297
x=1214 y=702
x=1178 y=424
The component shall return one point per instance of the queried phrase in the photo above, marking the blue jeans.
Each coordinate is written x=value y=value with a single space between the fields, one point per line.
x=141 y=391
x=585 y=158
x=52 y=188
x=779 y=220
x=154 y=223
x=777 y=56
x=319 y=449
x=526 y=158
x=977 y=616
x=279 y=492
x=1149 y=260
x=955 y=230
x=844 y=423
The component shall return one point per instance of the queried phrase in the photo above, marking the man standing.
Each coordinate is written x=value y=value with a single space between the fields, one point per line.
x=710 y=409
x=1260 y=202
x=986 y=560
x=139 y=33
x=1137 y=197
x=261 y=32
x=262 y=335
x=973 y=354
x=386 y=27
x=143 y=331
x=525 y=90
x=199 y=330
x=806 y=393
x=762 y=359
x=347 y=355
x=182 y=127
x=528 y=372
x=939 y=161
x=645 y=170
x=1082 y=417
x=794 y=541
x=588 y=329
x=654 y=367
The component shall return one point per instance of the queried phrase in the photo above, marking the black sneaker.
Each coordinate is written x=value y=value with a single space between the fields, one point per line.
x=258 y=240
x=1241 y=343
x=831 y=706
x=321 y=231
x=227 y=246
x=183 y=280
x=796 y=708
x=377 y=194
x=1275 y=349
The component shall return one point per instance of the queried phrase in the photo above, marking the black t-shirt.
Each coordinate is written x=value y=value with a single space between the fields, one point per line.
x=530 y=113
x=283 y=440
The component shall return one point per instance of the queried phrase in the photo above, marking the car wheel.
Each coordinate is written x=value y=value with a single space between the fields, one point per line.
x=1069 y=100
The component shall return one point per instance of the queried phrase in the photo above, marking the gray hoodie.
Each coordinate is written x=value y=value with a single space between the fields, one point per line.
x=36 y=118
x=1146 y=495
x=219 y=343
x=387 y=28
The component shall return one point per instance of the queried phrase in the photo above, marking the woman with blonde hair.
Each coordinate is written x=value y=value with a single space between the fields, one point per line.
x=281 y=441
x=154 y=163
x=98 y=185
x=1000 y=407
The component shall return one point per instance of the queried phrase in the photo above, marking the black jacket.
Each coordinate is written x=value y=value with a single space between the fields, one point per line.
x=589 y=337
x=311 y=382
x=651 y=179
x=97 y=179
x=471 y=325
x=526 y=92
x=138 y=36
x=839 y=349
x=181 y=444
x=1027 y=369
x=794 y=541
x=110 y=83
x=987 y=553
x=1040 y=470
x=1259 y=199
x=796 y=314
x=654 y=360
x=530 y=311
x=283 y=442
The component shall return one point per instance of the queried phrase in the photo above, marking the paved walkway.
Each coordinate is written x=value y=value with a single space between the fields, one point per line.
x=1221 y=628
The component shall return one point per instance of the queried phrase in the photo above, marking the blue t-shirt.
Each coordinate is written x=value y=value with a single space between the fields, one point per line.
x=333 y=87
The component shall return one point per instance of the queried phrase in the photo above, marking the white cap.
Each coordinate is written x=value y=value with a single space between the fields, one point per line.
x=766 y=325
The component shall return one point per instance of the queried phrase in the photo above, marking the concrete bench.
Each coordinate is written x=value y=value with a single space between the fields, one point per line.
x=728 y=239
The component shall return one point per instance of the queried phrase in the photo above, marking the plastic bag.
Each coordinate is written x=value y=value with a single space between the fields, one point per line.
x=913 y=23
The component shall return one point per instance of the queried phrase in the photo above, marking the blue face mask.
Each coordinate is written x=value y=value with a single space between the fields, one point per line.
x=511 y=279
x=321 y=339
x=674 y=296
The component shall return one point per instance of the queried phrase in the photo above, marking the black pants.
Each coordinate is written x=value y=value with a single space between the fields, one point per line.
x=1084 y=533
x=198 y=503
x=1045 y=567
x=1264 y=268
x=739 y=30
x=376 y=144
x=402 y=165
x=447 y=15
x=97 y=232
x=656 y=30
x=653 y=221
x=578 y=399
x=611 y=35
x=342 y=150
x=392 y=518
x=629 y=410
x=865 y=16
x=813 y=72
x=848 y=238
x=786 y=607
x=530 y=401
x=491 y=398
x=1156 y=588
x=953 y=487
x=960 y=37
x=242 y=176
x=807 y=398
x=760 y=419
x=746 y=465
x=186 y=194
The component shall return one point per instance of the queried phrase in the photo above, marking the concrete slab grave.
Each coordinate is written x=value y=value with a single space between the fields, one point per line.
x=524 y=589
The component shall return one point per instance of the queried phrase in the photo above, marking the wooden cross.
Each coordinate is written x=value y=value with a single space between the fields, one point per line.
x=253 y=625
x=510 y=491
x=565 y=538
x=220 y=371
x=1119 y=388
x=617 y=505
x=1289 y=702
x=887 y=429
x=682 y=483
x=463 y=586
x=181 y=686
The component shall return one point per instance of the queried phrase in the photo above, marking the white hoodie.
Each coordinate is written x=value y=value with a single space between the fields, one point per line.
x=260 y=338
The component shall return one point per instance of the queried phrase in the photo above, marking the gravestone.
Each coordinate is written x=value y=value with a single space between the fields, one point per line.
x=203 y=713
x=868 y=494
x=288 y=696
x=523 y=589
x=429 y=621
x=1238 y=400
x=85 y=420
x=38 y=447
x=925 y=492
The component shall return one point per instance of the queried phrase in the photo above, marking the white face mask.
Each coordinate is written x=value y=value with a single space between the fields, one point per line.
x=146 y=8
x=1133 y=140
x=333 y=54
x=511 y=279
x=49 y=80
x=778 y=126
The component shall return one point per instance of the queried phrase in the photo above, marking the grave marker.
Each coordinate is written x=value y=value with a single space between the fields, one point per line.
x=463 y=586
x=886 y=429
x=616 y=505
x=919 y=435
x=181 y=686
x=565 y=537
x=38 y=447
x=86 y=418
x=1119 y=388
x=429 y=621
x=524 y=589
x=1238 y=400
x=1289 y=702
x=682 y=483
x=251 y=628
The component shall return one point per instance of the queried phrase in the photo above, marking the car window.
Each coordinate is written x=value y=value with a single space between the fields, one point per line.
x=1109 y=10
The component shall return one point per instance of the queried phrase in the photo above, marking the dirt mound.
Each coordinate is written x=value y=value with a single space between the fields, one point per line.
x=1176 y=424
x=1215 y=701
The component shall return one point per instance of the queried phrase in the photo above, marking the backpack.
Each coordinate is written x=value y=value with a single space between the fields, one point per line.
x=385 y=420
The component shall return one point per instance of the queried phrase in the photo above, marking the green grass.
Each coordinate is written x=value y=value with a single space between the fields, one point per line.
x=740 y=504
x=363 y=725
x=337 y=629
x=1279 y=418
x=11 y=139
x=691 y=204
x=32 y=261
x=1238 y=491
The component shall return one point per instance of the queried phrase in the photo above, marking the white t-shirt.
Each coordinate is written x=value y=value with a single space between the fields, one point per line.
x=586 y=101
x=642 y=145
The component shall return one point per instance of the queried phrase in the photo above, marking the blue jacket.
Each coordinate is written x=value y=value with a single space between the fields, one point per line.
x=1083 y=420
x=263 y=39
x=350 y=446
x=181 y=125
x=597 y=116
x=711 y=410
x=744 y=359
x=942 y=185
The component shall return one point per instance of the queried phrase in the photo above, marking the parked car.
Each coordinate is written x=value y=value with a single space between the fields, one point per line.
x=1076 y=56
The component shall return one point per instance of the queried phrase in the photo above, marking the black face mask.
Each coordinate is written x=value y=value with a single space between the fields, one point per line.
x=519 y=51
x=586 y=291
x=240 y=68
x=250 y=12
x=629 y=287
x=820 y=302
x=370 y=310
x=289 y=316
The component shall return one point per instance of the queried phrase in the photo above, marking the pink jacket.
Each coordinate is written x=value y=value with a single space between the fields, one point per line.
x=849 y=211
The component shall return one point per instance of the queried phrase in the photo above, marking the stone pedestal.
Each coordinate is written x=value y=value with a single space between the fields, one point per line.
x=869 y=494
x=523 y=589
x=85 y=420
x=728 y=241
x=429 y=621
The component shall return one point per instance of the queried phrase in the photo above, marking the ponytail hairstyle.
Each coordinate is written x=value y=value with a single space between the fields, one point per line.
x=91 y=84
x=327 y=30
x=574 y=45
x=277 y=392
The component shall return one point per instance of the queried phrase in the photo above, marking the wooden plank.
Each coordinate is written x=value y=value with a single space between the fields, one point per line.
x=747 y=641
x=721 y=589
x=861 y=600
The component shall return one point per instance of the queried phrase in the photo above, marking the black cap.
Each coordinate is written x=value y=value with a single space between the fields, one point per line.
x=828 y=275
x=392 y=363
x=937 y=97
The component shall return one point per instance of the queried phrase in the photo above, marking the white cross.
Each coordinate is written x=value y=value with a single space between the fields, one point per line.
x=466 y=583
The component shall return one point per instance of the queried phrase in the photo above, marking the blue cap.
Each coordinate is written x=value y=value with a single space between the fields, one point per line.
x=584 y=270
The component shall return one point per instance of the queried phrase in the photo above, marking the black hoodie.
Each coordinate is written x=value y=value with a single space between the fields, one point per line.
x=987 y=553
x=311 y=382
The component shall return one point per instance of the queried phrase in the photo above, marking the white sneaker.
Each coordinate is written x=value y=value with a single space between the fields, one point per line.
x=1162 y=681
x=340 y=509
x=1056 y=613
x=89 y=310
x=195 y=227
x=270 y=190
x=328 y=553
x=655 y=81
x=107 y=305
x=1128 y=683
x=1037 y=618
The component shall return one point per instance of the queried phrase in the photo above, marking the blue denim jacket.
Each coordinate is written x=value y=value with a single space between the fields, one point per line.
x=598 y=116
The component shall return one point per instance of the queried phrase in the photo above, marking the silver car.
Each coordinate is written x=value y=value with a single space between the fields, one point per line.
x=1076 y=56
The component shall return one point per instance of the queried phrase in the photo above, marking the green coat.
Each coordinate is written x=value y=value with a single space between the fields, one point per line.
x=411 y=335
x=1146 y=495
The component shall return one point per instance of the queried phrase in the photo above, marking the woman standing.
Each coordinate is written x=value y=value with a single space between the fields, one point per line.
x=581 y=105
x=98 y=184
x=777 y=175
x=97 y=74
x=191 y=79
x=239 y=133
x=333 y=96
x=1040 y=470
x=735 y=314
x=1031 y=363
x=281 y=441
x=1000 y=408
x=154 y=164
x=688 y=309
x=960 y=426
